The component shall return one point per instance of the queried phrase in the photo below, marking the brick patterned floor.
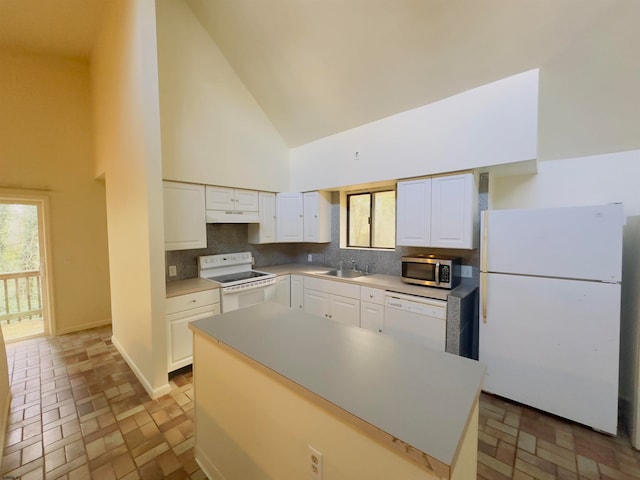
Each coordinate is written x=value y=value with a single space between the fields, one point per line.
x=78 y=412
x=518 y=442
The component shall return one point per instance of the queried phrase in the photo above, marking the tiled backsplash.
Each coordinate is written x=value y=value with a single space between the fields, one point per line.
x=228 y=237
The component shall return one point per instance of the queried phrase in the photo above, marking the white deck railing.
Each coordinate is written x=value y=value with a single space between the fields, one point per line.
x=20 y=296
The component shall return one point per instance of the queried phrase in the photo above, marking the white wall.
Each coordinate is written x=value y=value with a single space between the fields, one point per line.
x=46 y=142
x=127 y=137
x=591 y=180
x=213 y=130
x=489 y=125
x=630 y=328
x=590 y=90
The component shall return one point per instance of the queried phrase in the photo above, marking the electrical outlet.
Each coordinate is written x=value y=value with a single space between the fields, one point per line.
x=465 y=271
x=315 y=464
x=173 y=271
x=309 y=258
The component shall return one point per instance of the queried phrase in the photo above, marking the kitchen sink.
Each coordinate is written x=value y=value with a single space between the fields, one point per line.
x=344 y=273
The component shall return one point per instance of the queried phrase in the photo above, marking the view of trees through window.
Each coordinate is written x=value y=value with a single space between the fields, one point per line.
x=19 y=244
x=20 y=285
x=372 y=219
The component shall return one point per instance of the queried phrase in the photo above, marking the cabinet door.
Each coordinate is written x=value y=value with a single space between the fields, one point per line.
x=316 y=303
x=265 y=231
x=371 y=316
x=317 y=217
x=452 y=210
x=297 y=295
x=180 y=340
x=283 y=290
x=413 y=213
x=289 y=224
x=345 y=310
x=246 y=200
x=220 y=198
x=185 y=224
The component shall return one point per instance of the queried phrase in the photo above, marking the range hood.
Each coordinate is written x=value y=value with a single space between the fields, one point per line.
x=232 y=216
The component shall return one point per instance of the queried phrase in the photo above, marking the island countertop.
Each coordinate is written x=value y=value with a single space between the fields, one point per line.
x=421 y=397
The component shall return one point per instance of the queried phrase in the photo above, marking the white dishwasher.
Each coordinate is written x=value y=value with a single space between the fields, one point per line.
x=415 y=319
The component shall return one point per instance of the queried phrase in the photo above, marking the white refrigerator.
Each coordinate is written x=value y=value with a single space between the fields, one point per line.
x=549 y=326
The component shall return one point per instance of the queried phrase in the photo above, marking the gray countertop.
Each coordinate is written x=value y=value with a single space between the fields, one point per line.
x=420 y=396
x=189 y=285
x=384 y=282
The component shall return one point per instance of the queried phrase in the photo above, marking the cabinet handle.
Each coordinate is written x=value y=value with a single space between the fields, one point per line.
x=193 y=301
x=370 y=295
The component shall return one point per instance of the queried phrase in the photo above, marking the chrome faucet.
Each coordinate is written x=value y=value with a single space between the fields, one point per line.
x=353 y=264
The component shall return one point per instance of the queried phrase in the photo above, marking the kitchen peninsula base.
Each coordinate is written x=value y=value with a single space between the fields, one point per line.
x=263 y=396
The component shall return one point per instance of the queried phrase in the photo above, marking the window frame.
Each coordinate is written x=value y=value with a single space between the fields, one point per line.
x=372 y=204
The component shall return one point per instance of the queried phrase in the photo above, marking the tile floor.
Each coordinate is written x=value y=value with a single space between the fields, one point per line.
x=22 y=329
x=78 y=412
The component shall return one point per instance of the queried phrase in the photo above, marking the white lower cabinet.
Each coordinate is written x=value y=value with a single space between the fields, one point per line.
x=337 y=301
x=344 y=310
x=283 y=290
x=372 y=308
x=372 y=316
x=180 y=311
x=297 y=292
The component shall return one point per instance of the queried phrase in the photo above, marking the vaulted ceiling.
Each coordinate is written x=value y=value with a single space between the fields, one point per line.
x=318 y=67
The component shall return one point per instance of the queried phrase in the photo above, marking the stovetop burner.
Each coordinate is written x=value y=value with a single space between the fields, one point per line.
x=235 y=277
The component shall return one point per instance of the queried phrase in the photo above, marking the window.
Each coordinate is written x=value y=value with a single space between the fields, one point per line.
x=371 y=219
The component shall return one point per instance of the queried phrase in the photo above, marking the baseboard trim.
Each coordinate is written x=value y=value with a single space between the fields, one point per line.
x=152 y=392
x=84 y=326
x=206 y=465
x=4 y=423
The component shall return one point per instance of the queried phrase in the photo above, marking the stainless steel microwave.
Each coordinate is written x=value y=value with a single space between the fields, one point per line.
x=439 y=271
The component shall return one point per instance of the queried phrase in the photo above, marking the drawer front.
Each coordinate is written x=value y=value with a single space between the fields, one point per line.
x=372 y=295
x=314 y=283
x=344 y=289
x=192 y=300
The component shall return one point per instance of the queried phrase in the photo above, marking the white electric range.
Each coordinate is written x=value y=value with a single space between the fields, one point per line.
x=240 y=285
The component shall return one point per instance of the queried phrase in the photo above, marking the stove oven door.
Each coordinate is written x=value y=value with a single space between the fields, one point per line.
x=233 y=300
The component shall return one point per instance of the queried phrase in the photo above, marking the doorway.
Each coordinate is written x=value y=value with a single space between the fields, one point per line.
x=24 y=287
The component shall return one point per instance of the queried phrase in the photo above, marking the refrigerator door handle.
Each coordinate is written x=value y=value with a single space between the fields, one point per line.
x=484 y=241
x=483 y=295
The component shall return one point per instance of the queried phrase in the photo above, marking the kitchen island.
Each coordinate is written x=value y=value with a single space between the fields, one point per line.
x=271 y=382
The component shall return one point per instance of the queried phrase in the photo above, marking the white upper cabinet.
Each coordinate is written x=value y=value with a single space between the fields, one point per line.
x=232 y=205
x=413 y=213
x=289 y=217
x=265 y=231
x=184 y=216
x=220 y=198
x=246 y=200
x=453 y=211
x=303 y=217
x=317 y=217
x=437 y=212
